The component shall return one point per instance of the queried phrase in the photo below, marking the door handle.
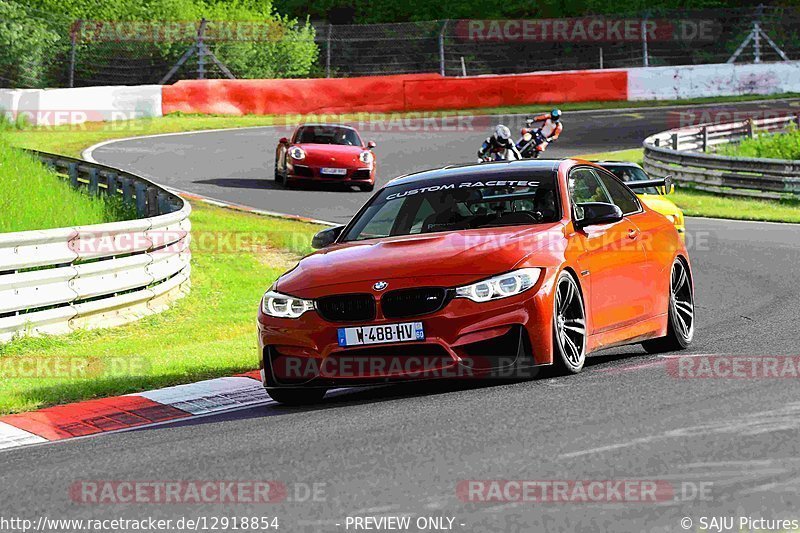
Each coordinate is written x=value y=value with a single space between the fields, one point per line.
x=632 y=233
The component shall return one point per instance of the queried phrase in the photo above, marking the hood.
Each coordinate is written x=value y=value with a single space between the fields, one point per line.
x=334 y=155
x=454 y=258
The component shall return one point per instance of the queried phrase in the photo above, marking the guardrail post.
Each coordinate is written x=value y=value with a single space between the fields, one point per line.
x=749 y=123
x=704 y=133
x=163 y=202
x=674 y=138
x=127 y=190
x=141 y=199
x=73 y=175
x=93 y=181
x=152 y=201
x=111 y=185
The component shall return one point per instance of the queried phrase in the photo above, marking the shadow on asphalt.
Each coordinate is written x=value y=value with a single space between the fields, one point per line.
x=269 y=183
x=345 y=397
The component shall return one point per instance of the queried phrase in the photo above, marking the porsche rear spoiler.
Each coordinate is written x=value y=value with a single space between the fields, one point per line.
x=665 y=182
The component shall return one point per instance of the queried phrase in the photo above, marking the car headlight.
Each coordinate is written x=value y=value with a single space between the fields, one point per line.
x=366 y=157
x=501 y=286
x=297 y=153
x=283 y=306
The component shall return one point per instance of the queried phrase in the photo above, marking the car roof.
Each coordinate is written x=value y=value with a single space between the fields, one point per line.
x=476 y=170
x=618 y=163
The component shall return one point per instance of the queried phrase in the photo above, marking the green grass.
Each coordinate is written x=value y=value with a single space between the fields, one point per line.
x=34 y=197
x=71 y=140
x=209 y=333
x=777 y=146
x=705 y=204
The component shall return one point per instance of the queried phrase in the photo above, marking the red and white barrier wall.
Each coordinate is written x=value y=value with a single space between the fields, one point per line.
x=413 y=92
x=698 y=81
x=54 y=107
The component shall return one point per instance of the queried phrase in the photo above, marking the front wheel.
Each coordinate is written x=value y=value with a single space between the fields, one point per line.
x=569 y=327
x=680 y=314
x=297 y=396
x=366 y=188
x=277 y=174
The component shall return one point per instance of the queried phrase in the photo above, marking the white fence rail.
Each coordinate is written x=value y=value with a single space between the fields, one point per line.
x=683 y=153
x=55 y=281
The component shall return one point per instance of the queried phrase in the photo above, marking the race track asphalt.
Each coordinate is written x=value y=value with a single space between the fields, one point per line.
x=402 y=450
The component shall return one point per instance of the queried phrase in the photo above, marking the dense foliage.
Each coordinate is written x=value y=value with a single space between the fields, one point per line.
x=35 y=40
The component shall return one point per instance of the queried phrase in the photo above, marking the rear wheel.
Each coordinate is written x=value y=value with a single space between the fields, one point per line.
x=569 y=327
x=680 y=315
x=297 y=396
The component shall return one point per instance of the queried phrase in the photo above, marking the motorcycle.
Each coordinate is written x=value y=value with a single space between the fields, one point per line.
x=503 y=155
x=532 y=143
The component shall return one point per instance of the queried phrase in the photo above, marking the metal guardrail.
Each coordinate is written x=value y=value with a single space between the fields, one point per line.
x=683 y=153
x=59 y=280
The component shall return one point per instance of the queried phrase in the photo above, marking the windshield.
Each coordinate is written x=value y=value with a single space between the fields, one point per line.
x=327 y=135
x=432 y=207
x=629 y=173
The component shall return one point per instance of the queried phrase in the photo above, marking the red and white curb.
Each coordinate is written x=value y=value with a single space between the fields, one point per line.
x=121 y=413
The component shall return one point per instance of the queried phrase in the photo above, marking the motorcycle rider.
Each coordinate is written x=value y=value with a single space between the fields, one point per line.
x=498 y=143
x=547 y=133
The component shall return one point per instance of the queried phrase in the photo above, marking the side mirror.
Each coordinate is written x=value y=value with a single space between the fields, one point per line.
x=371 y=145
x=326 y=237
x=595 y=213
x=283 y=140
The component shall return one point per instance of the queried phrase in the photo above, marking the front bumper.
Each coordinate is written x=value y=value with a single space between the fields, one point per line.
x=314 y=173
x=462 y=340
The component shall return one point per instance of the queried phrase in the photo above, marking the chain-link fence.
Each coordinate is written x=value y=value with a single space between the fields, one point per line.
x=39 y=50
x=458 y=47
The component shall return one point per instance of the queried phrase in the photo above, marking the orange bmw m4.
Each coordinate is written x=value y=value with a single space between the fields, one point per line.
x=472 y=269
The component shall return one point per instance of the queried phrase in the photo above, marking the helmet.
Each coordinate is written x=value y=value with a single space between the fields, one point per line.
x=555 y=114
x=502 y=132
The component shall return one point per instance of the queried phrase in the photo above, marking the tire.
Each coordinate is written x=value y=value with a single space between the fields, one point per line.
x=680 y=313
x=277 y=175
x=366 y=188
x=569 y=327
x=297 y=396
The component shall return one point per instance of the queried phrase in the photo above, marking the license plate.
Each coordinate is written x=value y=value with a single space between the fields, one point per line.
x=334 y=171
x=358 y=336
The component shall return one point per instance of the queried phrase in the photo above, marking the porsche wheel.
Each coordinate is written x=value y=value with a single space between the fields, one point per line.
x=366 y=188
x=277 y=174
x=569 y=327
x=680 y=315
x=298 y=396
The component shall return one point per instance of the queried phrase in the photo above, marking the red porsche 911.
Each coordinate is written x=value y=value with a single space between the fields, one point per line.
x=325 y=153
x=467 y=270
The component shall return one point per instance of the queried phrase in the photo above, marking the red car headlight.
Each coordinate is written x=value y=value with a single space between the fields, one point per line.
x=284 y=306
x=297 y=153
x=366 y=157
x=501 y=286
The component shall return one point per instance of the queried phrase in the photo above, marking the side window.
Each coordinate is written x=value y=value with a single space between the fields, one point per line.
x=584 y=186
x=620 y=195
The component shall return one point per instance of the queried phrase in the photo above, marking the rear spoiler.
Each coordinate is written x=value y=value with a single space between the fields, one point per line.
x=665 y=182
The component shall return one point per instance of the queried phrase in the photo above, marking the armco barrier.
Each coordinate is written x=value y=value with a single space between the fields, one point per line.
x=58 y=280
x=682 y=153
x=419 y=92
